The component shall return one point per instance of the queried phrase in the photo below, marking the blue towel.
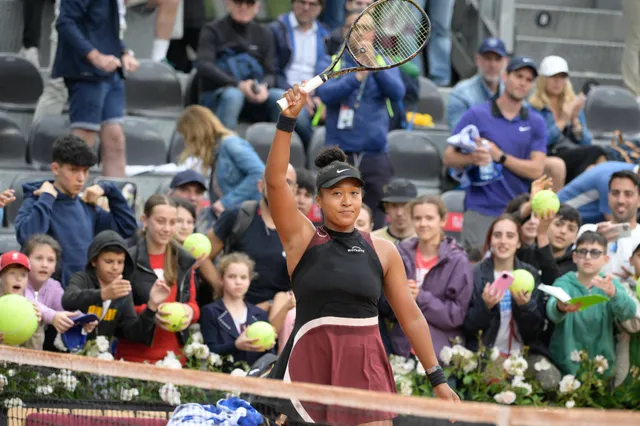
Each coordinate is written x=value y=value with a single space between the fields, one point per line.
x=466 y=144
x=227 y=412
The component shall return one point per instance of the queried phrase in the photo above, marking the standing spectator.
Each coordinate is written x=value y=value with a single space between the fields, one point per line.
x=54 y=207
x=491 y=61
x=31 y=30
x=394 y=203
x=92 y=58
x=631 y=53
x=236 y=66
x=439 y=48
x=300 y=48
x=335 y=11
x=166 y=12
x=517 y=141
x=182 y=51
x=191 y=186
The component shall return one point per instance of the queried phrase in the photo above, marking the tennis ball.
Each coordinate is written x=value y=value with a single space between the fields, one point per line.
x=544 y=201
x=177 y=313
x=522 y=280
x=197 y=245
x=264 y=332
x=18 y=320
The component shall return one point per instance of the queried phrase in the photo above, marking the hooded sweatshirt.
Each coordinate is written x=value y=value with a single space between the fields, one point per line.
x=72 y=222
x=117 y=317
x=49 y=298
x=592 y=329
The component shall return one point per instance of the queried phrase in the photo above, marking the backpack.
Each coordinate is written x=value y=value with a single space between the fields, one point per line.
x=242 y=66
x=246 y=213
x=620 y=149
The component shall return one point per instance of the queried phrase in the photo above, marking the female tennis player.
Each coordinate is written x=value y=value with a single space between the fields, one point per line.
x=338 y=274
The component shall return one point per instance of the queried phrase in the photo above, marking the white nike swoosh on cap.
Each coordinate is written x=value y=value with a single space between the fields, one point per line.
x=340 y=171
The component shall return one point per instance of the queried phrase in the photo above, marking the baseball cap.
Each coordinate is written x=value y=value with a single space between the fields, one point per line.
x=188 y=176
x=552 y=65
x=493 y=44
x=14 y=258
x=75 y=338
x=399 y=191
x=518 y=62
x=335 y=172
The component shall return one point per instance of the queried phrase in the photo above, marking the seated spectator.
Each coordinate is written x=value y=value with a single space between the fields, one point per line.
x=191 y=186
x=55 y=208
x=158 y=260
x=104 y=289
x=233 y=166
x=236 y=58
x=364 y=222
x=224 y=322
x=591 y=330
x=439 y=274
x=568 y=138
x=394 y=203
x=491 y=60
x=299 y=42
x=249 y=229
x=306 y=194
x=333 y=15
x=181 y=52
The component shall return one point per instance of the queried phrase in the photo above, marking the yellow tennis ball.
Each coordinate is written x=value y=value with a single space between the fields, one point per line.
x=522 y=280
x=197 y=245
x=544 y=201
x=18 y=320
x=177 y=313
x=264 y=332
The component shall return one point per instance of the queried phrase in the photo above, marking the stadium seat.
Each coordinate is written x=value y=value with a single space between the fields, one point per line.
x=175 y=147
x=154 y=91
x=41 y=137
x=145 y=145
x=8 y=241
x=13 y=145
x=127 y=186
x=610 y=108
x=11 y=211
x=316 y=145
x=430 y=100
x=260 y=136
x=454 y=200
x=416 y=158
x=191 y=90
x=20 y=87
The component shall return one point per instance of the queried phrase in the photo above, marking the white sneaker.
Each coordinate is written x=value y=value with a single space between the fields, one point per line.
x=31 y=54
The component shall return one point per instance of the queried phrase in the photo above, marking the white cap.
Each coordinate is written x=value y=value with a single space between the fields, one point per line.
x=552 y=65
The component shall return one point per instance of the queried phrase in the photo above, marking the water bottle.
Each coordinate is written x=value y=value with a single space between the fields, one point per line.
x=486 y=171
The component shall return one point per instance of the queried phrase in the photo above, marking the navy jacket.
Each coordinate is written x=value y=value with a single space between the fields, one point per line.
x=285 y=46
x=220 y=332
x=84 y=25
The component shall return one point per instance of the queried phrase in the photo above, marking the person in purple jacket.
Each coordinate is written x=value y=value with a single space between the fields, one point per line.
x=439 y=273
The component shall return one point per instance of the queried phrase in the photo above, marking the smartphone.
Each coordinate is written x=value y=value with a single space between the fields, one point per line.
x=623 y=230
x=502 y=283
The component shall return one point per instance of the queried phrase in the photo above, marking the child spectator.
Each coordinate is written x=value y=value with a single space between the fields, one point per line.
x=14 y=275
x=103 y=289
x=628 y=345
x=364 y=222
x=475 y=254
x=156 y=257
x=591 y=330
x=561 y=233
x=225 y=321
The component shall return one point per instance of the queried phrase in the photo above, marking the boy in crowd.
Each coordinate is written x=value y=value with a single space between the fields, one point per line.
x=628 y=348
x=591 y=330
x=306 y=194
x=394 y=202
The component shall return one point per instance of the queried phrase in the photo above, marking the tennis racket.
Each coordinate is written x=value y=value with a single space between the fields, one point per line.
x=385 y=35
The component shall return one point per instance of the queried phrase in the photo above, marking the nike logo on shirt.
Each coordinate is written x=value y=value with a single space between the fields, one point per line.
x=524 y=129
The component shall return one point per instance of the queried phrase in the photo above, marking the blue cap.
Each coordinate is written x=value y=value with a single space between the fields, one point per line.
x=74 y=338
x=188 y=176
x=519 y=62
x=493 y=44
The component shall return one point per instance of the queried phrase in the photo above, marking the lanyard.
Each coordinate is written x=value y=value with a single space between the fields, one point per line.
x=360 y=94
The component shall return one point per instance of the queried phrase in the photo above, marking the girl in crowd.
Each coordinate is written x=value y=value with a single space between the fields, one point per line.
x=439 y=273
x=231 y=162
x=157 y=257
x=364 y=222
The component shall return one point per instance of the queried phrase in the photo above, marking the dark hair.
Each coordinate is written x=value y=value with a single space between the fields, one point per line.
x=74 y=151
x=503 y=216
x=475 y=254
x=369 y=212
x=171 y=251
x=626 y=174
x=592 y=237
x=570 y=214
x=42 y=240
x=112 y=249
x=330 y=155
x=515 y=204
x=305 y=180
x=185 y=204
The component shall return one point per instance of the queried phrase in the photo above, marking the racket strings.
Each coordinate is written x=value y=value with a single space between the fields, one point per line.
x=388 y=33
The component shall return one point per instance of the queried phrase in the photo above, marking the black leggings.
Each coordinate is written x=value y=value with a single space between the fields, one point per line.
x=32 y=22
x=579 y=159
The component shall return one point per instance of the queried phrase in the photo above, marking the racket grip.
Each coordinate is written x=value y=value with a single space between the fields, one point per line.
x=309 y=86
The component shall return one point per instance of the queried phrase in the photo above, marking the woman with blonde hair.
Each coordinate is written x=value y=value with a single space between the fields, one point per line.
x=568 y=138
x=234 y=166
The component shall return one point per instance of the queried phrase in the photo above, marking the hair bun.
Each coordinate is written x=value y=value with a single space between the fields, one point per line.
x=330 y=155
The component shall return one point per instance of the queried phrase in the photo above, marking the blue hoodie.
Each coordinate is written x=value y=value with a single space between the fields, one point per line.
x=72 y=222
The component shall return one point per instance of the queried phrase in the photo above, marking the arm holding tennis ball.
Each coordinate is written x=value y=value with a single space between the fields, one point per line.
x=243 y=343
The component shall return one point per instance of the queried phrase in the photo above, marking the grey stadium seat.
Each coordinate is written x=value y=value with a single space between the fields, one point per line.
x=610 y=108
x=11 y=211
x=145 y=146
x=13 y=145
x=416 y=158
x=154 y=90
x=175 y=147
x=260 y=136
x=20 y=87
x=316 y=145
x=430 y=100
x=8 y=241
x=43 y=134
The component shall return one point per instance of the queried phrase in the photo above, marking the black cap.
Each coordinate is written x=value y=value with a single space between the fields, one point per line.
x=188 y=176
x=399 y=191
x=335 y=172
x=493 y=44
x=519 y=62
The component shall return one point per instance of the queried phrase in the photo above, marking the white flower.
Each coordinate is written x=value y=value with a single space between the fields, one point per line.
x=44 y=390
x=170 y=361
x=68 y=380
x=576 y=356
x=201 y=351
x=238 y=372
x=11 y=372
x=59 y=344
x=518 y=382
x=170 y=355
x=542 y=365
x=189 y=349
x=230 y=359
x=569 y=383
x=570 y=403
x=601 y=363
x=445 y=355
x=215 y=360
x=94 y=352
x=420 y=370
x=515 y=365
x=197 y=337
x=405 y=386
x=506 y=397
x=105 y=356
x=494 y=354
x=170 y=394
x=469 y=366
x=3 y=382
x=102 y=343
x=13 y=403
x=402 y=365
x=128 y=394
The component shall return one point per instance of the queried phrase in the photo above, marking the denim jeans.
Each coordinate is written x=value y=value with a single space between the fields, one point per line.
x=333 y=13
x=227 y=103
x=439 y=48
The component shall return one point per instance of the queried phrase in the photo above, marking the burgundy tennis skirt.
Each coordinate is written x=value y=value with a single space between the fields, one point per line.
x=346 y=352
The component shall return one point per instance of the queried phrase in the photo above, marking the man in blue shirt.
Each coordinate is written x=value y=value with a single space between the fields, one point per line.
x=517 y=140
x=491 y=60
x=589 y=192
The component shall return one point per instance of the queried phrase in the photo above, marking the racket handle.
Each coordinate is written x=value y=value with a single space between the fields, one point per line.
x=310 y=86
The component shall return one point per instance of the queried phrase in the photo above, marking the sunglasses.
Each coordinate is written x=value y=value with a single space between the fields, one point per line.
x=593 y=253
x=246 y=2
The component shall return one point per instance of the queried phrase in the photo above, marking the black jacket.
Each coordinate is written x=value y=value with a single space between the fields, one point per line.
x=120 y=320
x=551 y=268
